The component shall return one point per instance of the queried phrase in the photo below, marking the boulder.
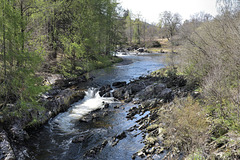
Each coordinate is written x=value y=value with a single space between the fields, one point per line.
x=119 y=84
x=166 y=94
x=151 y=91
x=108 y=94
x=79 y=139
x=92 y=152
x=6 y=151
x=65 y=83
x=117 y=138
x=119 y=93
x=105 y=90
x=62 y=100
x=140 y=49
x=17 y=133
x=95 y=115
x=135 y=87
x=86 y=118
x=121 y=136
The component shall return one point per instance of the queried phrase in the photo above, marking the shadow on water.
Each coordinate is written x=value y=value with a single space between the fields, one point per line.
x=54 y=140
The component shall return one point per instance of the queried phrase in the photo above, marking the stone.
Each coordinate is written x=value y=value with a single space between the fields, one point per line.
x=132 y=112
x=119 y=93
x=148 y=104
x=134 y=88
x=166 y=94
x=92 y=152
x=105 y=90
x=6 y=151
x=151 y=91
x=87 y=118
x=106 y=105
x=140 y=49
x=104 y=143
x=119 y=84
x=18 y=133
x=152 y=127
x=108 y=94
x=141 y=154
x=79 y=139
x=121 y=136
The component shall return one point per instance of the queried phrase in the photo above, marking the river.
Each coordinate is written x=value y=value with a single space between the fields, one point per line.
x=54 y=140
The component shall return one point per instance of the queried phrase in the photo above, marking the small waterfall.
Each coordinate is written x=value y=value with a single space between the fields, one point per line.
x=92 y=101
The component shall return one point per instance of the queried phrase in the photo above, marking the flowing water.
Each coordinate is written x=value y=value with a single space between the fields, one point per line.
x=54 y=140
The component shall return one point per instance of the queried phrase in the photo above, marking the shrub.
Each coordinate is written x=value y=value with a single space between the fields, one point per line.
x=156 y=44
x=211 y=58
x=185 y=126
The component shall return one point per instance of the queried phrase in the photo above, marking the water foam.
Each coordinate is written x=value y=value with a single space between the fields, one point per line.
x=92 y=101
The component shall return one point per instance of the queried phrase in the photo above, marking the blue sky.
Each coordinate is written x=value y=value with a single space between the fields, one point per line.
x=151 y=9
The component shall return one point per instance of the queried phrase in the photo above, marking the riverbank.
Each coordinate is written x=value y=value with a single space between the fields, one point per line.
x=166 y=111
x=17 y=122
x=175 y=125
x=152 y=94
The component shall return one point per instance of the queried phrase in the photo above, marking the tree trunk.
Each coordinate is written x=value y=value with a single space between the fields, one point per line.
x=4 y=42
x=22 y=26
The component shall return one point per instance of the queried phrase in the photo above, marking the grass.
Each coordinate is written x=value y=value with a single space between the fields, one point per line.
x=103 y=61
x=165 y=47
x=186 y=125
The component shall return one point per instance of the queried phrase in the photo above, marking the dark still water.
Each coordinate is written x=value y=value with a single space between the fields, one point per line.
x=54 y=140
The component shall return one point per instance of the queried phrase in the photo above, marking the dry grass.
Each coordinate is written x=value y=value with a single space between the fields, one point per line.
x=185 y=126
x=165 y=46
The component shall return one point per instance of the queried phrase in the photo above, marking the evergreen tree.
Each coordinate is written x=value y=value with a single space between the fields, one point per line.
x=19 y=84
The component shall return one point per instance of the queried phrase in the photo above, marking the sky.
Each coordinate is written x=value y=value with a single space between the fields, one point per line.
x=151 y=9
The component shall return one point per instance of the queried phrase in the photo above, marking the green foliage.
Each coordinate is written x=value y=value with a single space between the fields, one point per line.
x=195 y=156
x=70 y=37
x=94 y=27
x=19 y=83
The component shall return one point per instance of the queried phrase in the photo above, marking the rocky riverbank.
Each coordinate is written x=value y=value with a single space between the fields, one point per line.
x=174 y=126
x=154 y=97
x=150 y=93
x=15 y=123
x=14 y=131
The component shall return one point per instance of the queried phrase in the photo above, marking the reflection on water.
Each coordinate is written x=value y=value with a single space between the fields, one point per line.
x=132 y=67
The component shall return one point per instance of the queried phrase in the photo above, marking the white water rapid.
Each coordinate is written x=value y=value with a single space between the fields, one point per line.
x=92 y=101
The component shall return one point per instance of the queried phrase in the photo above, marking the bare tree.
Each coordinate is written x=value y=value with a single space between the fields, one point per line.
x=228 y=5
x=169 y=24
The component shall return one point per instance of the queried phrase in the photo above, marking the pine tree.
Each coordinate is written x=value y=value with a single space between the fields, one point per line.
x=20 y=84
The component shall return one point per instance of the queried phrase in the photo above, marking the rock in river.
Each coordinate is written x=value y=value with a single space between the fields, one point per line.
x=104 y=90
x=119 y=84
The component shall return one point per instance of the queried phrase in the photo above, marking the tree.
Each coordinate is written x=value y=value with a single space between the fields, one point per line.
x=169 y=23
x=210 y=58
x=80 y=31
x=19 y=84
x=129 y=27
x=93 y=28
x=137 y=30
x=228 y=5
